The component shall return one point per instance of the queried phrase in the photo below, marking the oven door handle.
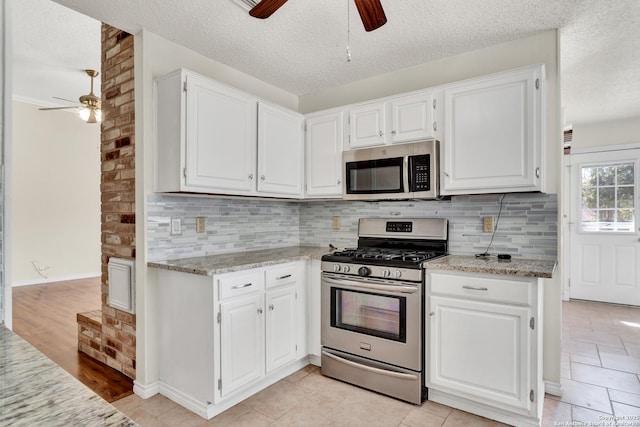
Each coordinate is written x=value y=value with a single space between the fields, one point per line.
x=372 y=286
x=378 y=371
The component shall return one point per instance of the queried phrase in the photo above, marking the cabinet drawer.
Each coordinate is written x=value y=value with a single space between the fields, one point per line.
x=240 y=284
x=481 y=288
x=279 y=276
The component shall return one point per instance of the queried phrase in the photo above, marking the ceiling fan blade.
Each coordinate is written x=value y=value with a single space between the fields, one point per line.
x=266 y=8
x=65 y=99
x=58 y=108
x=371 y=13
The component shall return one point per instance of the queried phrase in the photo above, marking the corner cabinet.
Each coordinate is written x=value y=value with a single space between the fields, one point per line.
x=484 y=345
x=324 y=138
x=494 y=131
x=223 y=338
x=214 y=139
x=205 y=136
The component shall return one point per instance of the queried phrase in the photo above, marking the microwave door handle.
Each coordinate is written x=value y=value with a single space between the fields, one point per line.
x=396 y=289
x=405 y=178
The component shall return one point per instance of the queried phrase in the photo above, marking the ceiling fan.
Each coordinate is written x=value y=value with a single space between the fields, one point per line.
x=89 y=109
x=371 y=11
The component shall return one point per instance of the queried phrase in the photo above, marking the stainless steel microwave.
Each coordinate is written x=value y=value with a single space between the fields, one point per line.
x=403 y=171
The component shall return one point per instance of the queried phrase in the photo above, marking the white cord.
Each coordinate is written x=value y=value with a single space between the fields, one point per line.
x=348 y=31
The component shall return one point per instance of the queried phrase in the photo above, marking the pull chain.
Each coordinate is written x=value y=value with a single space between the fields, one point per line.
x=348 y=31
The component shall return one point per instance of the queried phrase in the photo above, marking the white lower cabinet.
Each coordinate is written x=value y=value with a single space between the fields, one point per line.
x=226 y=337
x=484 y=345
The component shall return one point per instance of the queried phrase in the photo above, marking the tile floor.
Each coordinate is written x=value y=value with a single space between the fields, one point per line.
x=600 y=368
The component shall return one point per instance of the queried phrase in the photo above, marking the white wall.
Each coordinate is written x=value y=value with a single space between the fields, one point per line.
x=56 y=195
x=618 y=132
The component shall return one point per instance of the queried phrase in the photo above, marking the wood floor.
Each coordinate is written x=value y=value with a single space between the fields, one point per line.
x=45 y=316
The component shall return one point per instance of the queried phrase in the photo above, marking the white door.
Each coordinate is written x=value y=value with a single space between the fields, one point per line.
x=604 y=227
x=220 y=137
x=413 y=118
x=242 y=342
x=481 y=350
x=281 y=327
x=324 y=155
x=280 y=147
x=367 y=125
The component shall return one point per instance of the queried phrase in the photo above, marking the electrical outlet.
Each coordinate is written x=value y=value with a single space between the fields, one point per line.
x=487 y=224
x=176 y=226
x=336 y=223
x=200 y=224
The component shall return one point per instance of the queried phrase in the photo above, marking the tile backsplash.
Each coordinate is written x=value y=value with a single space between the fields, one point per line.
x=527 y=224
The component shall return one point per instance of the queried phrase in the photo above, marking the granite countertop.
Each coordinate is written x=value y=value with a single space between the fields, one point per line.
x=236 y=261
x=34 y=391
x=513 y=267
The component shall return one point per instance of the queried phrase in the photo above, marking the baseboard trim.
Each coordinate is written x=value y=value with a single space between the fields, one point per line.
x=553 y=388
x=146 y=391
x=42 y=280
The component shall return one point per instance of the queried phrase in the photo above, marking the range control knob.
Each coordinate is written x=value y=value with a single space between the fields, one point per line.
x=386 y=272
x=336 y=268
x=364 y=271
x=345 y=269
x=397 y=274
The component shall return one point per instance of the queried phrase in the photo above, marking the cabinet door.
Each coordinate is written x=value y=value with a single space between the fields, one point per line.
x=413 y=118
x=324 y=155
x=280 y=146
x=281 y=335
x=241 y=342
x=480 y=351
x=220 y=135
x=494 y=133
x=367 y=125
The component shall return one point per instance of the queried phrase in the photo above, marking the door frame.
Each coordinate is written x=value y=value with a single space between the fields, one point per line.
x=567 y=201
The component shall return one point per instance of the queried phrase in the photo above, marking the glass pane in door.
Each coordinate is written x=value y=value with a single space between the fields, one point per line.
x=608 y=198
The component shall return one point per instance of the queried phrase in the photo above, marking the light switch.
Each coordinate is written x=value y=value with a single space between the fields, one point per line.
x=200 y=224
x=336 y=223
x=176 y=226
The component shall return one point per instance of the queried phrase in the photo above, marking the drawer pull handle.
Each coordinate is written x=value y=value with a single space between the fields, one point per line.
x=286 y=276
x=475 y=288
x=246 y=285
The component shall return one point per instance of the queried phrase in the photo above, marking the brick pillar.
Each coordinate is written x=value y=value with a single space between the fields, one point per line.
x=117 y=189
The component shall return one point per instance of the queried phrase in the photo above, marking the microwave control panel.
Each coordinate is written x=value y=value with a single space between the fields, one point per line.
x=419 y=173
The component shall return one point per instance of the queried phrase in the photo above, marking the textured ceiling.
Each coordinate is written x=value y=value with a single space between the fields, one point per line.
x=301 y=48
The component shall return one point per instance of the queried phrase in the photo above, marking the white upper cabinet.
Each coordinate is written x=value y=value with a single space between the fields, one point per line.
x=220 y=136
x=367 y=125
x=205 y=134
x=393 y=120
x=494 y=133
x=324 y=136
x=413 y=117
x=280 y=150
x=211 y=138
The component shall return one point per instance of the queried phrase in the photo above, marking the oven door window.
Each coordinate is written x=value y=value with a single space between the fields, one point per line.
x=375 y=176
x=372 y=314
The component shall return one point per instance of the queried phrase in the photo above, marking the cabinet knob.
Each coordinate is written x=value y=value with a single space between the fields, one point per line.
x=537 y=172
x=260 y=310
x=380 y=133
x=339 y=181
x=446 y=174
x=271 y=307
x=262 y=177
x=393 y=132
x=435 y=127
x=250 y=177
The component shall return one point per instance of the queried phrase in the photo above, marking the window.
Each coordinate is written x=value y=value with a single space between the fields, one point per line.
x=607 y=198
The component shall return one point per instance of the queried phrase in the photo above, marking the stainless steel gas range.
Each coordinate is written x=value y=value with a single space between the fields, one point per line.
x=373 y=305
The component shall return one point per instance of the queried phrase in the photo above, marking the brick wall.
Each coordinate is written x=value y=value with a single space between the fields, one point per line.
x=117 y=189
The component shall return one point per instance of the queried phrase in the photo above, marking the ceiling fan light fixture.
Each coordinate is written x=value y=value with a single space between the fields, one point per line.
x=90 y=115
